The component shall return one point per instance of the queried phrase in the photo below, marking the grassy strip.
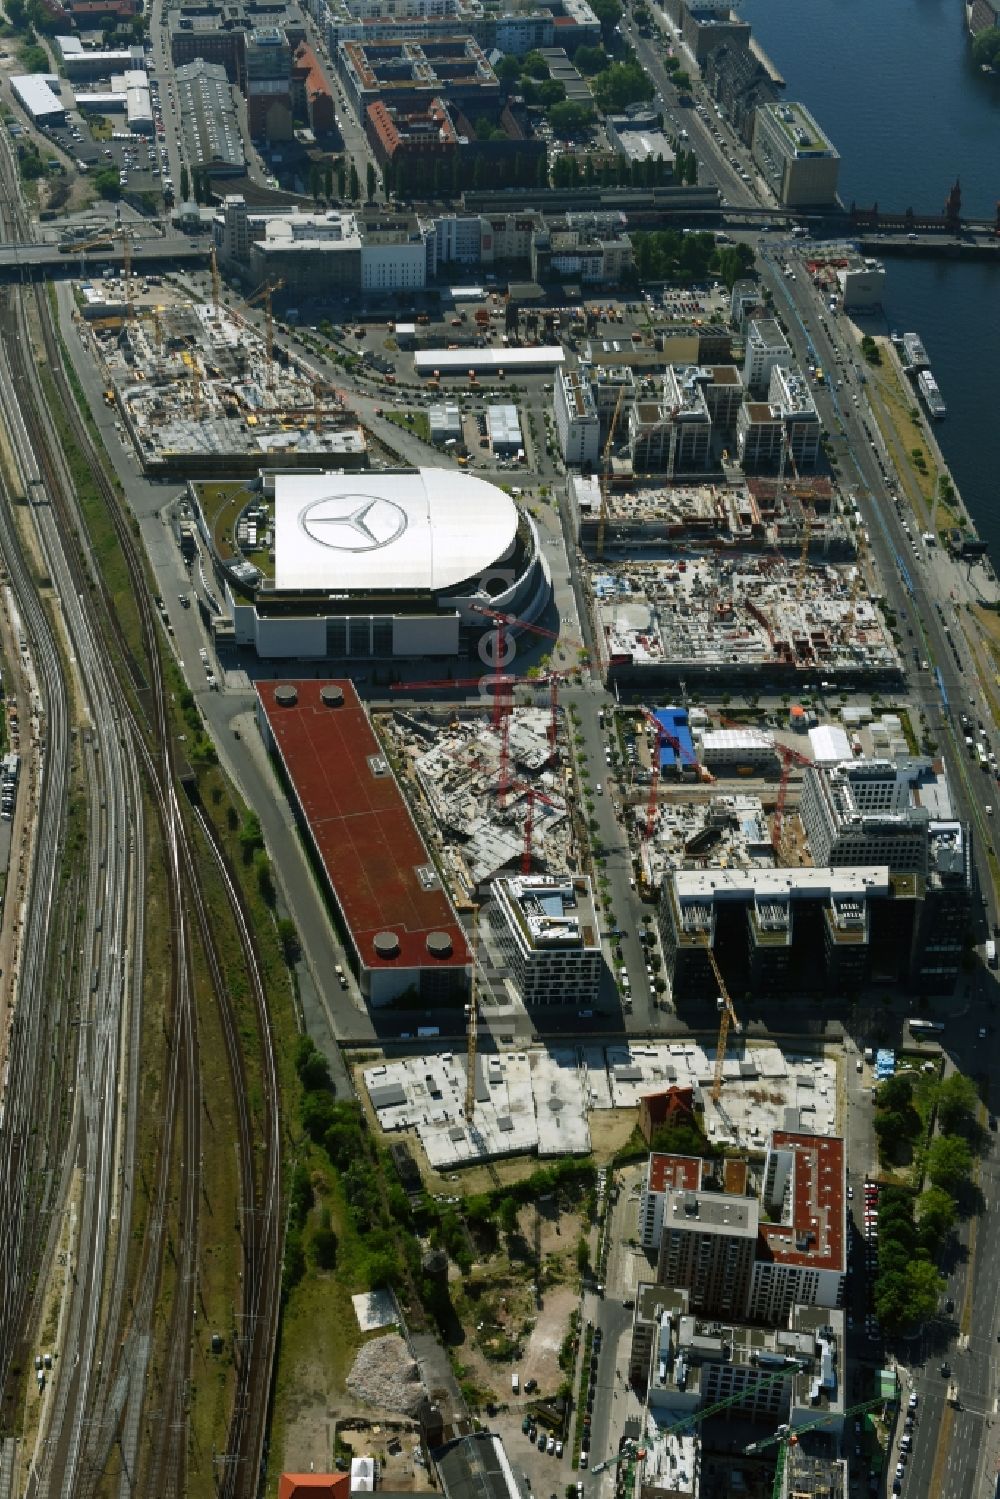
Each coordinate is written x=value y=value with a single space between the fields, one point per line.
x=416 y=422
x=581 y=1403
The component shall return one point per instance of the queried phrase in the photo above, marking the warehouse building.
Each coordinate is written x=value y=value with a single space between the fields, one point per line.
x=212 y=136
x=503 y=426
x=401 y=932
x=38 y=96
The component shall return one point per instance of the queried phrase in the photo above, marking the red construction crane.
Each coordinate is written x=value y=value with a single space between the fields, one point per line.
x=502 y=621
x=664 y=736
x=500 y=711
x=532 y=795
x=788 y=757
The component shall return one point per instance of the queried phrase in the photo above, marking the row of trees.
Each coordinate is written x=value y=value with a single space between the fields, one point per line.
x=913 y=1232
x=611 y=172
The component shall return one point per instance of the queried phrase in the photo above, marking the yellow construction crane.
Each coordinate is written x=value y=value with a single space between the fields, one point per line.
x=195 y=389
x=472 y=1029
x=727 y=1018
x=125 y=235
x=216 y=283
x=803 y=567
x=606 y=473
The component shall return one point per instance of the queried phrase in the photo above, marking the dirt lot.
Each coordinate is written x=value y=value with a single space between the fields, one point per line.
x=505 y=1326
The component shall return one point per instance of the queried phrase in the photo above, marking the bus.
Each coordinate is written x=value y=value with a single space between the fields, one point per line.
x=921 y=1026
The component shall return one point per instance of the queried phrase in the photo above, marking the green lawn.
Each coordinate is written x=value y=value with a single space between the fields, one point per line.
x=411 y=421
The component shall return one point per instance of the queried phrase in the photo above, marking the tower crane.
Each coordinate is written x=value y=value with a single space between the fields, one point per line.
x=606 y=473
x=788 y=757
x=472 y=1029
x=216 y=283
x=632 y=1448
x=264 y=294
x=788 y=1436
x=500 y=711
x=532 y=794
x=502 y=622
x=672 y=454
x=727 y=1018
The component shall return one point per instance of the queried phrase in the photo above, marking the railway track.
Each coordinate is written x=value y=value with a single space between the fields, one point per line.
x=96 y=1414
x=262 y=1220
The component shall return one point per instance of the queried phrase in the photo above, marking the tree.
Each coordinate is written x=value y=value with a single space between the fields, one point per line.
x=318 y=1114
x=590 y=60
x=535 y=66
x=507 y=1213
x=936 y=1214
x=582 y=1256
x=34 y=60
x=957 y=1102
x=353 y=184
x=508 y=70
x=949 y=1161
x=896 y=1092
x=622 y=84
x=107 y=184
x=251 y=837
x=185 y=181
x=323 y=1245
x=551 y=92
x=370 y=181
x=568 y=118
x=985 y=47
x=609 y=13
x=906 y=1297
x=328 y=182
x=341 y=179
x=288 y=936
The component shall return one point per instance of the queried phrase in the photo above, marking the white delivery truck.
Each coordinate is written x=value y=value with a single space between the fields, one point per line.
x=991 y=953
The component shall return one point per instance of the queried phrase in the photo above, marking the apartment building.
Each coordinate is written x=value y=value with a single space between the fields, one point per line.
x=664 y=1173
x=802 y=1256
x=789 y=394
x=707 y=1247
x=674 y=433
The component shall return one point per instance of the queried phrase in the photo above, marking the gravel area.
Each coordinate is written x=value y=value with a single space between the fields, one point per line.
x=384 y=1375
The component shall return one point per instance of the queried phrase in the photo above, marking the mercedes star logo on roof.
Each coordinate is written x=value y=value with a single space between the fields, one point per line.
x=353 y=522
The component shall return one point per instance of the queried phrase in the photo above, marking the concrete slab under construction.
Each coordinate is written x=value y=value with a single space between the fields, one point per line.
x=538 y=1101
x=199 y=394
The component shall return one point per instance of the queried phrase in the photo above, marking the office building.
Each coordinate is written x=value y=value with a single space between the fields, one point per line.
x=578 y=426
x=723 y=392
x=766 y=347
x=268 y=63
x=862 y=283
x=410 y=74
x=546 y=928
x=789 y=395
x=673 y=434
x=795 y=158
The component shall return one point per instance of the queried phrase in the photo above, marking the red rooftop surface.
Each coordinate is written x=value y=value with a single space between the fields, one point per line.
x=314 y=1485
x=679 y=1171
x=817 y=1204
x=361 y=826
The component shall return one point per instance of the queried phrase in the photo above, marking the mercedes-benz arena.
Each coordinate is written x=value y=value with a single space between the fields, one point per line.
x=372 y=566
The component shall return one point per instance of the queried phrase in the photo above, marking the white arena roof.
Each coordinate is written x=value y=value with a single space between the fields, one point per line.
x=544 y=357
x=346 y=533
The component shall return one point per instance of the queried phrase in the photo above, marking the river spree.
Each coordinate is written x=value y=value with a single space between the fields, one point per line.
x=895 y=86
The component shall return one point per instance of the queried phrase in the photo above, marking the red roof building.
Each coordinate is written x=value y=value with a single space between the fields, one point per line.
x=314 y=1486
x=310 y=86
x=802 y=1254
x=399 y=921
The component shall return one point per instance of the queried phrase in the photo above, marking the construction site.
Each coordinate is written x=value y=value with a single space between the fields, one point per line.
x=201 y=392
x=489 y=789
x=749 y=515
x=755 y=620
x=538 y=1101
